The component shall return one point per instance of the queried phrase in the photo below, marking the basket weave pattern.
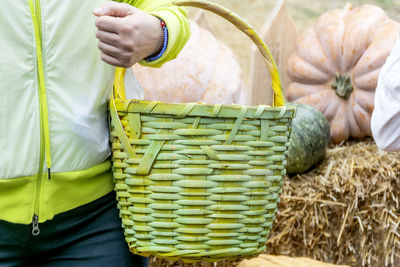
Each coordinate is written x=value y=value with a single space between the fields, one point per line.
x=199 y=182
x=203 y=182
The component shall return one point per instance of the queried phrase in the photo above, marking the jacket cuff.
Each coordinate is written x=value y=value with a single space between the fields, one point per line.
x=178 y=33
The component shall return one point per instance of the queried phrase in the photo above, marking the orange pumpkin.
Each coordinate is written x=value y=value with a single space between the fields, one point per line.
x=336 y=66
x=205 y=71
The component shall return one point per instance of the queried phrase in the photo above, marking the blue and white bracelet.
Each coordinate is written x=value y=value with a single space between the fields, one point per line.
x=165 y=44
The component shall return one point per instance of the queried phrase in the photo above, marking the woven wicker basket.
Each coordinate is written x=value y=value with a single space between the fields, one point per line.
x=195 y=181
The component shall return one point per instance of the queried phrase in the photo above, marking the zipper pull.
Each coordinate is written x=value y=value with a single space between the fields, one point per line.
x=49 y=173
x=35 y=225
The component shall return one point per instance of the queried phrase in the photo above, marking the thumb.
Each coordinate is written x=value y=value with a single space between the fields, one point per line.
x=113 y=9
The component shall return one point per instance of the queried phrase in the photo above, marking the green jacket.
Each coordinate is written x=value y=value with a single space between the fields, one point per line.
x=54 y=141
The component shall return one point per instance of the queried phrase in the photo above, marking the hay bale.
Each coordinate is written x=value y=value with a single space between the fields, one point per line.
x=344 y=211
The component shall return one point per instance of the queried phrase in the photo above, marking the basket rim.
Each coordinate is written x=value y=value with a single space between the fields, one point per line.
x=204 y=110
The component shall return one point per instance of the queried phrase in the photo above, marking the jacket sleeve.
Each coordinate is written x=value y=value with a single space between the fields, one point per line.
x=385 y=122
x=177 y=22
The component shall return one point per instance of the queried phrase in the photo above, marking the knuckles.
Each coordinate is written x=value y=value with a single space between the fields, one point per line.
x=125 y=28
x=128 y=45
x=122 y=39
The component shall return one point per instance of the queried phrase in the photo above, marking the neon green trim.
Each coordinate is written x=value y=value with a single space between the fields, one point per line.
x=65 y=191
x=15 y=199
x=36 y=18
x=38 y=178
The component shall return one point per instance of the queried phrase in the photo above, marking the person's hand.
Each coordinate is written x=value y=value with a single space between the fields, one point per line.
x=126 y=34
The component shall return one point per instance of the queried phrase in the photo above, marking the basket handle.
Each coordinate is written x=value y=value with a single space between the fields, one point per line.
x=278 y=98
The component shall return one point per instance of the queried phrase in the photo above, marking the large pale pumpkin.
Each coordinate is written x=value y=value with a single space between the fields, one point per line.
x=205 y=71
x=264 y=260
x=336 y=66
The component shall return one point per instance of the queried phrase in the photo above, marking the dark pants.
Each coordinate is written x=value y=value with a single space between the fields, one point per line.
x=88 y=236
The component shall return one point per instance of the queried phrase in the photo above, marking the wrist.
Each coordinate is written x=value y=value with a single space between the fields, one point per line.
x=163 y=45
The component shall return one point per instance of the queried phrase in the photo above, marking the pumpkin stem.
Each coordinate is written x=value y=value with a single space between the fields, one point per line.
x=342 y=85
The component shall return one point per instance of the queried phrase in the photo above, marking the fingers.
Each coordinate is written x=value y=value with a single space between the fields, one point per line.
x=117 y=40
x=114 y=55
x=115 y=48
x=113 y=9
x=111 y=60
x=117 y=62
x=109 y=50
x=107 y=37
x=108 y=24
x=126 y=34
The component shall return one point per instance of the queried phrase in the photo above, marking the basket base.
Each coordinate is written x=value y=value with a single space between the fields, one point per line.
x=192 y=256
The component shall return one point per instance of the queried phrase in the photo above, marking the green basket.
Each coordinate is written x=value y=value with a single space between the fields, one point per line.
x=196 y=181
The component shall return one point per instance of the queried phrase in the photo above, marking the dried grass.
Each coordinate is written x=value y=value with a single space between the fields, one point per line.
x=344 y=211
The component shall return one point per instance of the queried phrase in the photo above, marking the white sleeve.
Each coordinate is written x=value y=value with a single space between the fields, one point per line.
x=385 y=122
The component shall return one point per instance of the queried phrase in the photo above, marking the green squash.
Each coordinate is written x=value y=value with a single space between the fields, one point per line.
x=309 y=138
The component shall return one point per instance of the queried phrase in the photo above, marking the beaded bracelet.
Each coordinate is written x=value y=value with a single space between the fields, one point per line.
x=165 y=44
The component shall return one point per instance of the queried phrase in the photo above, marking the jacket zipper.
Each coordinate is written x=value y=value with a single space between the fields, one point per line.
x=44 y=123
